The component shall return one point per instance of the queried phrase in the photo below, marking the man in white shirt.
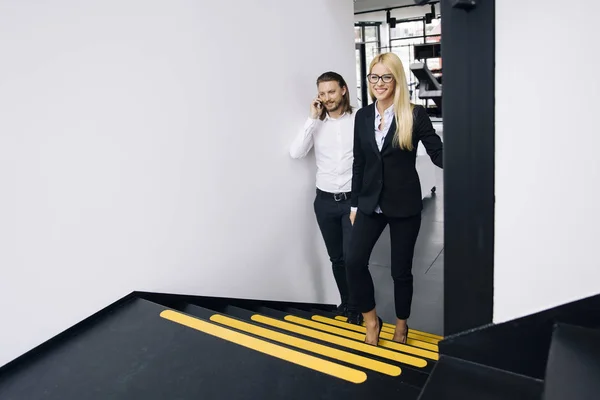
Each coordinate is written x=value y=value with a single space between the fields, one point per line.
x=330 y=130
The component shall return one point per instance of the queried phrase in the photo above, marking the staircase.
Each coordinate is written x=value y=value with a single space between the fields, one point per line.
x=150 y=346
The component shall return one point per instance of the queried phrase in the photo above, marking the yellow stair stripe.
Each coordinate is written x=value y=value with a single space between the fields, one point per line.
x=393 y=328
x=414 y=335
x=411 y=334
x=390 y=344
x=340 y=341
x=303 y=344
x=362 y=329
x=357 y=336
x=292 y=356
x=383 y=328
x=421 y=349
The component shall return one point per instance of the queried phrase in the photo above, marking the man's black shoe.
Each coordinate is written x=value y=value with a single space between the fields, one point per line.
x=355 y=318
x=342 y=310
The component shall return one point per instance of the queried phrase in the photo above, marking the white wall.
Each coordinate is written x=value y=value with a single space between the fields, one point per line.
x=547 y=168
x=144 y=146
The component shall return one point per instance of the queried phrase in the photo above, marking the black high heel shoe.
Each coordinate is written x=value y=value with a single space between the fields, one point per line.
x=378 y=333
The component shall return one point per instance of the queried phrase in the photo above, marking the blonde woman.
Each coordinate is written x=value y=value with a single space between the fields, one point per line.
x=386 y=189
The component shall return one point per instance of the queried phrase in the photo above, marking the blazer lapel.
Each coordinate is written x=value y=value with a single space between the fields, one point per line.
x=390 y=136
x=370 y=121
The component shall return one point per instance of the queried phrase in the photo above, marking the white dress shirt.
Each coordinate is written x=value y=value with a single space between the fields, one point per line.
x=333 y=140
x=388 y=117
x=380 y=134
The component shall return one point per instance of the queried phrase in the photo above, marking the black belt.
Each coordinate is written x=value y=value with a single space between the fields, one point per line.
x=336 y=196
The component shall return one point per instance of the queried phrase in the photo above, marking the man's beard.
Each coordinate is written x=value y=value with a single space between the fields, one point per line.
x=333 y=107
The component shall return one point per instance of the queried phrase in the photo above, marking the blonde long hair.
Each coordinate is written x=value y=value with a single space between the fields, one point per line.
x=403 y=108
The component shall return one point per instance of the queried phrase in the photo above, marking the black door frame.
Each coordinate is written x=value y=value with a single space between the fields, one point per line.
x=364 y=94
x=468 y=53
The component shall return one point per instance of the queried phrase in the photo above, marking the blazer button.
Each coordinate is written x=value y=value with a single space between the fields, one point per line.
x=380 y=181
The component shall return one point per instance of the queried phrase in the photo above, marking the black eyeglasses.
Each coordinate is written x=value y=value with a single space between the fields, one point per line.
x=375 y=78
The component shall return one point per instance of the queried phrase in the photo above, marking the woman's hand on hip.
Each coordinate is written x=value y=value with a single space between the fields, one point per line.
x=352 y=216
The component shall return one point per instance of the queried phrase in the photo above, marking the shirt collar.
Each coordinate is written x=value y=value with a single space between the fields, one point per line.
x=327 y=117
x=389 y=111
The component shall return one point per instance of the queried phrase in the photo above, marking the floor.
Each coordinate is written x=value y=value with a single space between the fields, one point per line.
x=428 y=268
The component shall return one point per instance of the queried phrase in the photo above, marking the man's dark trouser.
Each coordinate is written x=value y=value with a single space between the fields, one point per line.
x=333 y=216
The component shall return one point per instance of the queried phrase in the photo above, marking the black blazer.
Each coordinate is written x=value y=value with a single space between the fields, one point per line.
x=389 y=178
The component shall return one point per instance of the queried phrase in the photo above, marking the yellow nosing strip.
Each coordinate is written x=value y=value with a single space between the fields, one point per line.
x=412 y=334
x=359 y=336
x=292 y=356
x=393 y=328
x=385 y=332
x=303 y=344
x=340 y=341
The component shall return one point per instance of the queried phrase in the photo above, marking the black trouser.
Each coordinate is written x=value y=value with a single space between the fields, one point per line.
x=333 y=217
x=403 y=236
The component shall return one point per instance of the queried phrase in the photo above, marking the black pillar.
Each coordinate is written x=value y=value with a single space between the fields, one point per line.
x=468 y=57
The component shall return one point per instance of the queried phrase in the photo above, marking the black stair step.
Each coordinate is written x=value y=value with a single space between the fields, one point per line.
x=137 y=352
x=280 y=315
x=521 y=345
x=303 y=318
x=573 y=370
x=175 y=300
x=414 y=340
x=283 y=307
x=384 y=384
x=244 y=315
x=358 y=332
x=410 y=361
x=242 y=321
x=330 y=314
x=387 y=327
x=410 y=374
x=302 y=306
x=426 y=336
x=454 y=379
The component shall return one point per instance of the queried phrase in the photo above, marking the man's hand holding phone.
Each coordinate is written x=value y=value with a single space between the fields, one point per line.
x=316 y=108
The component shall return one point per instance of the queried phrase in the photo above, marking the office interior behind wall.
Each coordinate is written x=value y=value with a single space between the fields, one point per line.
x=414 y=34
